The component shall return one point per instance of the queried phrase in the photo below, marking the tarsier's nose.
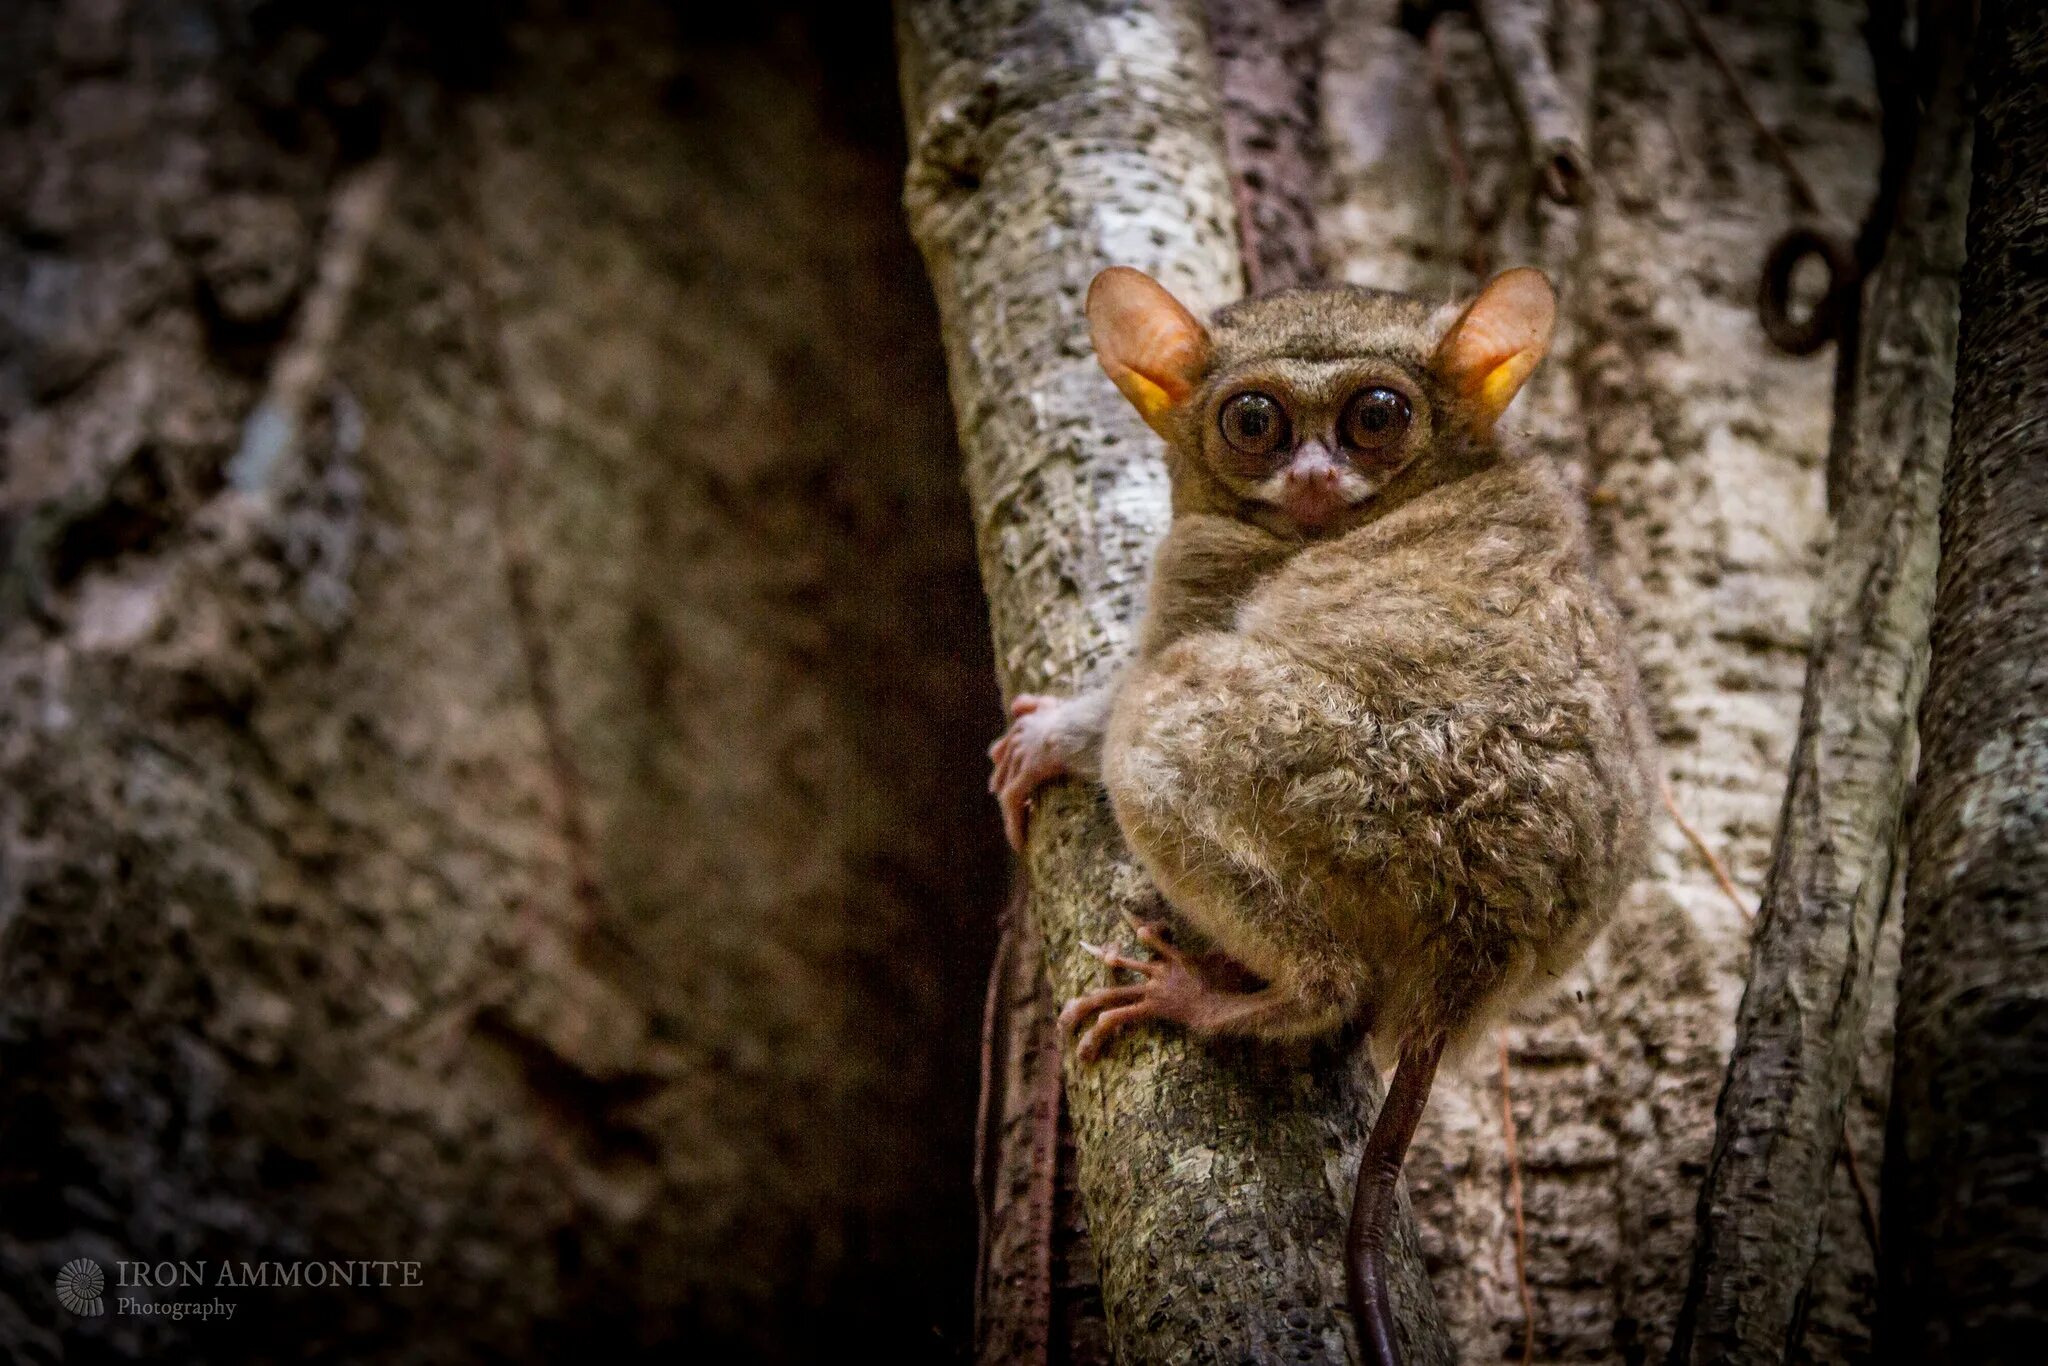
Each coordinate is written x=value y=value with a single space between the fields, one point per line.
x=1313 y=469
x=1312 y=492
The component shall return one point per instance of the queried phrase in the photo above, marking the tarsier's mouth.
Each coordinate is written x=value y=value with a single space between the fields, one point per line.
x=1315 y=506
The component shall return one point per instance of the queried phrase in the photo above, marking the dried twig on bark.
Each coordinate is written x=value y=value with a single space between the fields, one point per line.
x=1516 y=32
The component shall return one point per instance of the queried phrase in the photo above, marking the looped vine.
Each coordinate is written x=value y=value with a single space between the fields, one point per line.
x=1828 y=318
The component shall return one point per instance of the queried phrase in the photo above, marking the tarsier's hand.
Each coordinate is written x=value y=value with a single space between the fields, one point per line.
x=1037 y=748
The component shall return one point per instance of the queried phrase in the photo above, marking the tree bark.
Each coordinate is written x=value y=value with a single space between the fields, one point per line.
x=1019 y=1167
x=296 y=957
x=1049 y=141
x=1269 y=61
x=1966 y=1191
x=1701 y=451
x=1038 y=1293
x=1800 y=1028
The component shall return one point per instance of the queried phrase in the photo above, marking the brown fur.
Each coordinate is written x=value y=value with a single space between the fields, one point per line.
x=1397 y=765
x=1382 y=744
x=1405 y=774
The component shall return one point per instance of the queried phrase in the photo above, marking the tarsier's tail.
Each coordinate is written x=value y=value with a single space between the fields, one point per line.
x=1372 y=1208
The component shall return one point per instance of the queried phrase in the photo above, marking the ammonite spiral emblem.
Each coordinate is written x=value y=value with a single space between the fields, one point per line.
x=79 y=1286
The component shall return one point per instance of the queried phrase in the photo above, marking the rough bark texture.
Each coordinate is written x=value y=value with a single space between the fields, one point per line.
x=1702 y=453
x=1550 y=113
x=292 y=960
x=1269 y=62
x=1966 y=1210
x=1038 y=1292
x=1019 y=1168
x=1047 y=142
x=1800 y=1029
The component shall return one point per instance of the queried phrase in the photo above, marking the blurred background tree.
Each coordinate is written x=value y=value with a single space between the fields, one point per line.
x=492 y=683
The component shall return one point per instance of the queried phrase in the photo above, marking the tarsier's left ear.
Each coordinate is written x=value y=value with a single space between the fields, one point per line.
x=1152 y=347
x=1497 y=340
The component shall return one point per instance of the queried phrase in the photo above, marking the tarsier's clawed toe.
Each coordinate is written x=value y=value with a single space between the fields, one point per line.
x=1105 y=1013
x=1123 y=962
x=1013 y=796
x=1166 y=993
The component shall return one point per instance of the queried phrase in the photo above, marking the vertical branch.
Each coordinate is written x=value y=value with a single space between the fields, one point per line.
x=1965 y=1187
x=1018 y=1164
x=1800 y=1026
x=1049 y=140
x=1515 y=32
x=1269 y=59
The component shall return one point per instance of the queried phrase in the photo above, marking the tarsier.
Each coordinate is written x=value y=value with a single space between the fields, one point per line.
x=1381 y=744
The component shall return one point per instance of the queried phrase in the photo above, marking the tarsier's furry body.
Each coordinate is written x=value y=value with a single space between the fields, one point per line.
x=1381 y=743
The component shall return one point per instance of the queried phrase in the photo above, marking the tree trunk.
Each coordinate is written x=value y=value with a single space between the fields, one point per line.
x=1047 y=142
x=1701 y=450
x=1038 y=1294
x=475 y=829
x=1800 y=1030
x=1966 y=1207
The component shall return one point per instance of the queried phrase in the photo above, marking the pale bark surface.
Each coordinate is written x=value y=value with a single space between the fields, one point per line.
x=1048 y=141
x=1702 y=452
x=1966 y=1215
x=1801 y=1027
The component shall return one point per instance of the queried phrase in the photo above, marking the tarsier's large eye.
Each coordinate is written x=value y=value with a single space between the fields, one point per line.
x=1376 y=417
x=1254 y=423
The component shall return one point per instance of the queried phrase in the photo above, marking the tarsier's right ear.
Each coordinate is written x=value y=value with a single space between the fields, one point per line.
x=1152 y=347
x=1497 y=341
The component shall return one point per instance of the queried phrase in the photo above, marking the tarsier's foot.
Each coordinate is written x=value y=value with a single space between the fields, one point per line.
x=1173 y=989
x=1030 y=754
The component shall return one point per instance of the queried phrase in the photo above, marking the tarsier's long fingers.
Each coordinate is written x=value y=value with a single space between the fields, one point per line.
x=1024 y=758
x=1123 y=962
x=1077 y=1011
x=1016 y=807
x=1149 y=935
x=1020 y=783
x=1108 y=1025
x=1009 y=767
x=1002 y=755
x=1005 y=744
